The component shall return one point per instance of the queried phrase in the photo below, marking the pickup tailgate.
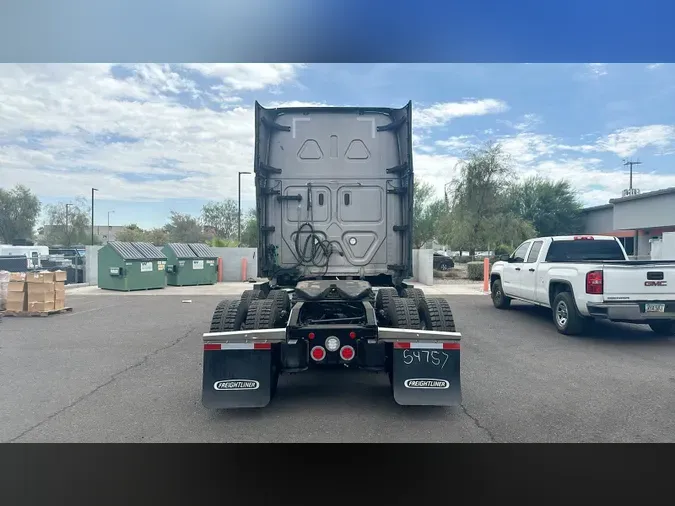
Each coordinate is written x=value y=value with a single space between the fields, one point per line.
x=639 y=281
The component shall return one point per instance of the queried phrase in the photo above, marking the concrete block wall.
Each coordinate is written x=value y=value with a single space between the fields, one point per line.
x=232 y=262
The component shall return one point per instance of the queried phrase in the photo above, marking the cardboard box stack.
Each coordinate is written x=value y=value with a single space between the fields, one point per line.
x=4 y=288
x=59 y=289
x=16 y=292
x=40 y=291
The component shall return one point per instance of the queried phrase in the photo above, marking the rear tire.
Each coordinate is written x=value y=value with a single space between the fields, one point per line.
x=229 y=315
x=384 y=295
x=566 y=318
x=414 y=293
x=282 y=301
x=663 y=328
x=249 y=295
x=499 y=299
x=262 y=314
x=403 y=314
x=435 y=314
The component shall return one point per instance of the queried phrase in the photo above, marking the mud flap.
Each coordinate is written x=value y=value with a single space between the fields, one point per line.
x=238 y=374
x=425 y=367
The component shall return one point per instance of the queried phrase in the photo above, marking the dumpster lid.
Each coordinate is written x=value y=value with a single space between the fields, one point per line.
x=126 y=250
x=181 y=250
x=149 y=251
x=202 y=250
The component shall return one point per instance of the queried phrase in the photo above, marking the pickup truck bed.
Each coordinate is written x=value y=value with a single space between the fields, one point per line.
x=584 y=277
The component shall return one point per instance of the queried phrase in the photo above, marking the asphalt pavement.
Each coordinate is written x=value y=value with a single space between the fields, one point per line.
x=128 y=369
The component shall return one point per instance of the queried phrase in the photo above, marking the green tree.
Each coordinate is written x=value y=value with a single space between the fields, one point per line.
x=249 y=231
x=67 y=224
x=427 y=212
x=477 y=200
x=221 y=217
x=184 y=228
x=131 y=233
x=553 y=207
x=19 y=211
x=157 y=236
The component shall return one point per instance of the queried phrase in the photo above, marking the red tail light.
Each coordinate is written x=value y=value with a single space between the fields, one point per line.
x=594 y=283
x=318 y=353
x=347 y=353
x=311 y=335
x=352 y=334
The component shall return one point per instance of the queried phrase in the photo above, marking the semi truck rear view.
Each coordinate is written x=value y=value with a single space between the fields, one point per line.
x=334 y=200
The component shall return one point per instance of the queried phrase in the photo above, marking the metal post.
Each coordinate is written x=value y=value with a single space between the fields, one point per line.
x=108 y=232
x=67 y=235
x=239 y=207
x=92 y=214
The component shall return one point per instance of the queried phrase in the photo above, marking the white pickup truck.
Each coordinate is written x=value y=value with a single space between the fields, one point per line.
x=585 y=277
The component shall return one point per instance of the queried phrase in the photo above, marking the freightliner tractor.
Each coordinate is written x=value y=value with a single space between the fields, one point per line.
x=334 y=202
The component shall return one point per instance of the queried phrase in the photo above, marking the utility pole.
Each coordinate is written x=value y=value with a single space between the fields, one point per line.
x=92 y=214
x=630 y=163
x=239 y=210
x=67 y=234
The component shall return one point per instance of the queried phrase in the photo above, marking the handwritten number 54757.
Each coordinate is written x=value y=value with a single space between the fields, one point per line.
x=436 y=358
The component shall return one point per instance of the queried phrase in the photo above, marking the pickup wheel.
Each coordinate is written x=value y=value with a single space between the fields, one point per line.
x=663 y=327
x=499 y=300
x=566 y=318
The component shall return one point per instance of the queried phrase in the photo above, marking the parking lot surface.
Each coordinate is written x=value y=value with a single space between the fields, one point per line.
x=123 y=368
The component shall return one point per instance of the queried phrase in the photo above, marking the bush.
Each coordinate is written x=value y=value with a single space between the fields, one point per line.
x=503 y=249
x=475 y=271
x=462 y=259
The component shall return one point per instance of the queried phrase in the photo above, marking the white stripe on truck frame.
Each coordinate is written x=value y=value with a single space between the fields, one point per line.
x=237 y=346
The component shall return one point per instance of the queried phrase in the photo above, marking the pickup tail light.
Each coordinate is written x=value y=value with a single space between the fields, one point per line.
x=583 y=238
x=594 y=283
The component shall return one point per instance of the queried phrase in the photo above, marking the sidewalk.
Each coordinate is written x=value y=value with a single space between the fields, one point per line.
x=236 y=288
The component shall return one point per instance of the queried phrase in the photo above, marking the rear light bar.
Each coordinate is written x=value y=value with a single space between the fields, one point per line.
x=594 y=283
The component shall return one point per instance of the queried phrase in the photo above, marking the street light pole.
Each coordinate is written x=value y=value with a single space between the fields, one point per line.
x=67 y=234
x=92 y=214
x=108 y=233
x=239 y=209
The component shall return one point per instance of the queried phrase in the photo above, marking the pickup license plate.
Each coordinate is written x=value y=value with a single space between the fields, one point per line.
x=655 y=308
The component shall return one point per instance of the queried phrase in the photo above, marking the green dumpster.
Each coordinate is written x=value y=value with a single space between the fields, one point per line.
x=190 y=264
x=127 y=266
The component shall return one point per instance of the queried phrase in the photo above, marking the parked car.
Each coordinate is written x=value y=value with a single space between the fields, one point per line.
x=443 y=262
x=585 y=277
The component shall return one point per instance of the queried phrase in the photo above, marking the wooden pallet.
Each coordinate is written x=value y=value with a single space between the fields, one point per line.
x=37 y=313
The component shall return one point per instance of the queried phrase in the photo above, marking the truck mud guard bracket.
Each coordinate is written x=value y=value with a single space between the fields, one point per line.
x=239 y=369
x=399 y=168
x=425 y=366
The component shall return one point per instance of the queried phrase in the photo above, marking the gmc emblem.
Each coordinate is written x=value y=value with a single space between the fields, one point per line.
x=656 y=283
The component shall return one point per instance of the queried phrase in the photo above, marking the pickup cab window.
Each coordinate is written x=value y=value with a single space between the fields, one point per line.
x=534 y=252
x=584 y=249
x=519 y=255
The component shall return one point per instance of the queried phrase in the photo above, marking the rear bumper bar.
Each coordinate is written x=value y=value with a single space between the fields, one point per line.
x=240 y=367
x=628 y=312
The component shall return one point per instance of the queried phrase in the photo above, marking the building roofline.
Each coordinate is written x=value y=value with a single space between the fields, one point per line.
x=597 y=208
x=655 y=193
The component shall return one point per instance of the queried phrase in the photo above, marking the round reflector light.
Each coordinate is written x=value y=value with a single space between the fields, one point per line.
x=347 y=353
x=332 y=343
x=318 y=353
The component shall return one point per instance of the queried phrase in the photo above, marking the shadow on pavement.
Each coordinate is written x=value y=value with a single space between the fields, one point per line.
x=596 y=329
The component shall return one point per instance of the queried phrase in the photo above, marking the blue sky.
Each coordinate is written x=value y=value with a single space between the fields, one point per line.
x=154 y=138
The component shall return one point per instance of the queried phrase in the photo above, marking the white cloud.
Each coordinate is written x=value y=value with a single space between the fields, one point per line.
x=654 y=66
x=628 y=141
x=443 y=113
x=79 y=111
x=248 y=76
